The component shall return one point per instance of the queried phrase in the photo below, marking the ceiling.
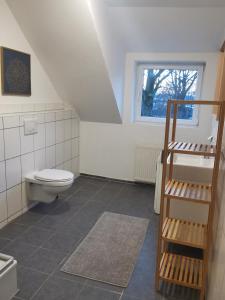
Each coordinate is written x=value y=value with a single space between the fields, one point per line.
x=149 y=28
x=167 y=3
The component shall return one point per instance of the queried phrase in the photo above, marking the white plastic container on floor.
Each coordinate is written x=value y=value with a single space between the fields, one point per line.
x=8 y=277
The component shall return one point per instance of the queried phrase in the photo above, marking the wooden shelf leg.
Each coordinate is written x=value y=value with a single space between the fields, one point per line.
x=165 y=156
x=202 y=294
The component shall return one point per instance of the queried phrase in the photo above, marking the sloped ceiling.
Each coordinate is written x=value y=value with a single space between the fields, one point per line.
x=169 y=25
x=63 y=37
x=112 y=45
x=82 y=43
x=167 y=3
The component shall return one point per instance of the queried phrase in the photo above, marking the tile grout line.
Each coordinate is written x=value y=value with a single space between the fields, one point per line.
x=121 y=295
x=66 y=199
x=51 y=275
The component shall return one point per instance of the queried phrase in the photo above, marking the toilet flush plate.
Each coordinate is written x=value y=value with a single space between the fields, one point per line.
x=30 y=126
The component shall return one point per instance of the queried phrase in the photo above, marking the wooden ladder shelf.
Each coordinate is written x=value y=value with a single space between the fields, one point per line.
x=178 y=269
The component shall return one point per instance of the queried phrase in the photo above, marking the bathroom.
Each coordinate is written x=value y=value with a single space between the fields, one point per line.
x=81 y=121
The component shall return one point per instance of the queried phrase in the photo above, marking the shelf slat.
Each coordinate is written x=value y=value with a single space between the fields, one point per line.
x=194 y=192
x=184 y=233
x=181 y=270
x=192 y=148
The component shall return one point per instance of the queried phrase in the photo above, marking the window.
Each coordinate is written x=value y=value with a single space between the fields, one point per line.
x=158 y=83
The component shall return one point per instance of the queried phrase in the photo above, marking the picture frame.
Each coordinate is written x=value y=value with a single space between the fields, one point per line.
x=15 y=72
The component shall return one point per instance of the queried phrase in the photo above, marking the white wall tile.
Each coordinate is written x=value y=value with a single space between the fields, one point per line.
x=14 y=201
x=50 y=117
x=11 y=121
x=2 y=177
x=27 y=142
x=39 y=138
x=50 y=157
x=59 y=153
x=59 y=115
x=39 y=106
x=13 y=172
x=12 y=142
x=26 y=116
x=39 y=159
x=67 y=166
x=75 y=147
x=75 y=128
x=2 y=151
x=60 y=167
x=68 y=129
x=3 y=207
x=49 y=106
x=58 y=105
x=26 y=203
x=60 y=129
x=74 y=114
x=67 y=150
x=27 y=164
x=75 y=166
x=53 y=127
x=50 y=133
x=27 y=107
x=40 y=118
x=10 y=108
x=67 y=114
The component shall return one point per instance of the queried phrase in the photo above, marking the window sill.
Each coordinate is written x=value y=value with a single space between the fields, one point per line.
x=162 y=122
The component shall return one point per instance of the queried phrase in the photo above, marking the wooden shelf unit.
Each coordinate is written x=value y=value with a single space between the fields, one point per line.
x=184 y=233
x=194 y=192
x=182 y=270
x=191 y=148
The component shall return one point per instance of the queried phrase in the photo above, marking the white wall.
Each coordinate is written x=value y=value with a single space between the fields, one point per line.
x=108 y=149
x=12 y=37
x=66 y=43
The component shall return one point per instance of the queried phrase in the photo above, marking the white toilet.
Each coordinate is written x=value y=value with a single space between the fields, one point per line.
x=45 y=185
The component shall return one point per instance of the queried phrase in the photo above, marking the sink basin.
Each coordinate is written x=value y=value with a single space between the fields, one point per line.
x=191 y=168
x=194 y=161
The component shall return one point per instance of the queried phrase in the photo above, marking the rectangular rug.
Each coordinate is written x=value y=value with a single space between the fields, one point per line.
x=110 y=250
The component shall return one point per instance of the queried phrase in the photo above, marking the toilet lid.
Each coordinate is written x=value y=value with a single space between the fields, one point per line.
x=54 y=175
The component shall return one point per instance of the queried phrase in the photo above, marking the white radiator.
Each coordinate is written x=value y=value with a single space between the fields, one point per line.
x=145 y=163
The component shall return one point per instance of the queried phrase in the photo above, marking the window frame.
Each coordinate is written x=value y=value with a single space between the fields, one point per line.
x=181 y=66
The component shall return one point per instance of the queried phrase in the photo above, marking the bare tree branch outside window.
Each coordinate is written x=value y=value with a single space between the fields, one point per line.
x=159 y=85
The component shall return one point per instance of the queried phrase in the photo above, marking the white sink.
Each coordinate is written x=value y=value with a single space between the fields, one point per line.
x=193 y=161
x=191 y=168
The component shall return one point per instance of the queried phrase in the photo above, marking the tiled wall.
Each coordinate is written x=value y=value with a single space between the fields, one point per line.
x=55 y=145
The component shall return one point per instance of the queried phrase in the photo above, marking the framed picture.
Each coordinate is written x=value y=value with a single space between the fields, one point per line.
x=15 y=72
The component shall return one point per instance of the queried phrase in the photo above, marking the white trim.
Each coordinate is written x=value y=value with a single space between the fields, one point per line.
x=138 y=98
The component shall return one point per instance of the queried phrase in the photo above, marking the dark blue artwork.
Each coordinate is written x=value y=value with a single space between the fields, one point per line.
x=16 y=72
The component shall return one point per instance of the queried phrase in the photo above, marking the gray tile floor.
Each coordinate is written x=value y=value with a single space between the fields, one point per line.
x=43 y=238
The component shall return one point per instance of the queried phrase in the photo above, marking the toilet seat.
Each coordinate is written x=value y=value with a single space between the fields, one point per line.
x=54 y=175
x=51 y=177
x=45 y=185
